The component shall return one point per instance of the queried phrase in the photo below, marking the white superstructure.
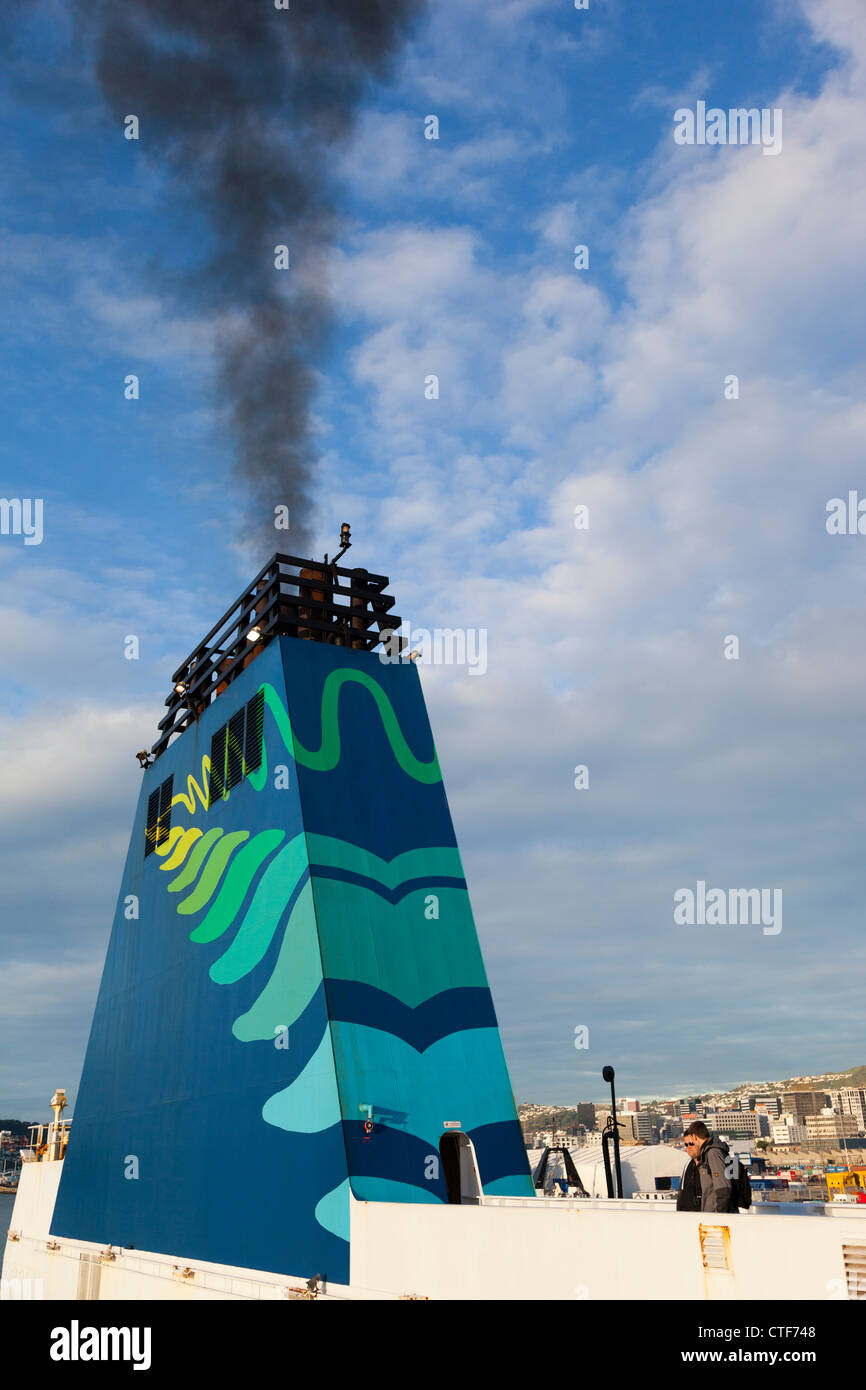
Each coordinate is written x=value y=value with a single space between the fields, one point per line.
x=492 y=1248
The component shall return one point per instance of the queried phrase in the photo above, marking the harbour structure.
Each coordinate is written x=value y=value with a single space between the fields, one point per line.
x=294 y=992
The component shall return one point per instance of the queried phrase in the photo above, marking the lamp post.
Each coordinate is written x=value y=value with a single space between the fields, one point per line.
x=841 y=1113
x=608 y=1074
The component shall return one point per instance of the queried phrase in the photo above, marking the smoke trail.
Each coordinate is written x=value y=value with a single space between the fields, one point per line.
x=248 y=103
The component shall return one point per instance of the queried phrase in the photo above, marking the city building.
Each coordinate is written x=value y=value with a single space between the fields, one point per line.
x=555 y=1138
x=831 y=1126
x=637 y=1127
x=772 y=1104
x=803 y=1103
x=688 y=1107
x=788 y=1130
x=644 y=1126
x=850 y=1100
x=628 y=1128
x=742 y=1123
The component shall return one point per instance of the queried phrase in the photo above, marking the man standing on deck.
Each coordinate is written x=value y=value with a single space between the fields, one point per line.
x=705 y=1184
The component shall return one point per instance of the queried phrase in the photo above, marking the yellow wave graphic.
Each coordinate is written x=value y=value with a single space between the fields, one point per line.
x=183 y=842
x=176 y=833
x=193 y=789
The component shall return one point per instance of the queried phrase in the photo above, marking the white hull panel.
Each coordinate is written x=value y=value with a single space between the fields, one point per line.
x=505 y=1248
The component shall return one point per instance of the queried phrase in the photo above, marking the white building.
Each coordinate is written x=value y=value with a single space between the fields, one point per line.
x=788 y=1130
x=850 y=1100
x=644 y=1126
x=830 y=1126
x=742 y=1123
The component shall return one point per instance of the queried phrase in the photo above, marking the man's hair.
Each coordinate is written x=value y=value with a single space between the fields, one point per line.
x=699 y=1129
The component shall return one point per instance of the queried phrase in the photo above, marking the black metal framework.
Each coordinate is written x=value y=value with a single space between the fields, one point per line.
x=572 y=1176
x=314 y=600
x=158 y=824
x=236 y=748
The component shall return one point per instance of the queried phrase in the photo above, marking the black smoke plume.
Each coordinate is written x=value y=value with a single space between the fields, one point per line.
x=249 y=104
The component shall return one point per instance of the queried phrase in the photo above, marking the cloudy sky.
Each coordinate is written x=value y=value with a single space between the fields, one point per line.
x=602 y=387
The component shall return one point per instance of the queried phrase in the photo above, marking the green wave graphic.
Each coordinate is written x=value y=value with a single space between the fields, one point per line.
x=293 y=981
x=245 y=866
x=368 y=933
x=194 y=862
x=326 y=757
x=212 y=872
x=262 y=918
x=366 y=929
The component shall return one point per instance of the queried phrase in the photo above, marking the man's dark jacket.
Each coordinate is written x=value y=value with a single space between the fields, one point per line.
x=705 y=1186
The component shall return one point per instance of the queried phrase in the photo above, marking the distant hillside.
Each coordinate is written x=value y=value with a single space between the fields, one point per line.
x=535 y=1117
x=855 y=1076
x=821 y=1081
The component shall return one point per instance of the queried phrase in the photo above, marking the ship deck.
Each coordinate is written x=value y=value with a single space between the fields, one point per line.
x=498 y=1248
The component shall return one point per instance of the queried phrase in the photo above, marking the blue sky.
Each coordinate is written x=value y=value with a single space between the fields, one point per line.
x=558 y=387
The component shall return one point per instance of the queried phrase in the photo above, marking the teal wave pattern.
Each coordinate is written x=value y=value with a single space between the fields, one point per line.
x=224 y=868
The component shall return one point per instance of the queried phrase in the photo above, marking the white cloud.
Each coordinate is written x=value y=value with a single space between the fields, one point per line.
x=841 y=23
x=605 y=646
x=707 y=518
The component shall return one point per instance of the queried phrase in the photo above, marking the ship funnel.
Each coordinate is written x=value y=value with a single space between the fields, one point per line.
x=294 y=989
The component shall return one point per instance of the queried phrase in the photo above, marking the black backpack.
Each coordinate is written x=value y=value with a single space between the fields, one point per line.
x=741 y=1188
